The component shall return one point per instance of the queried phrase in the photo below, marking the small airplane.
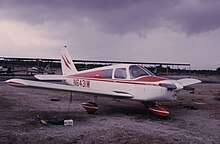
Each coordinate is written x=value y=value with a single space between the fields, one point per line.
x=38 y=70
x=3 y=69
x=6 y=70
x=120 y=81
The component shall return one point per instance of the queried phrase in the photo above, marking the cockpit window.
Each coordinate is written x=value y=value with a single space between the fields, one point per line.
x=120 y=73
x=138 y=71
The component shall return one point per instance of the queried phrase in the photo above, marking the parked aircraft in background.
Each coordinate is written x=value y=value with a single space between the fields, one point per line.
x=121 y=81
x=39 y=70
x=3 y=69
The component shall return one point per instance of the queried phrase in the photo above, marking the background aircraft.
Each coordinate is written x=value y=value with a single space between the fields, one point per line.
x=7 y=70
x=121 y=81
x=39 y=70
x=4 y=69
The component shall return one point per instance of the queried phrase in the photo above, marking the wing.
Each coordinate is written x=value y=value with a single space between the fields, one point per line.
x=62 y=87
x=188 y=81
x=180 y=84
x=49 y=77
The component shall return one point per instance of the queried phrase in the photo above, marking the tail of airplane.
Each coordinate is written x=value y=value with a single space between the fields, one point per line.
x=47 y=68
x=67 y=64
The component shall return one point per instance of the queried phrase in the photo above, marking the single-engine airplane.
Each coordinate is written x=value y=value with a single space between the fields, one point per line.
x=5 y=69
x=39 y=70
x=120 y=81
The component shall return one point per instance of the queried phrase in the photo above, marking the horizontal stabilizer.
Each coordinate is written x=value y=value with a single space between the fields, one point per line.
x=62 y=87
x=49 y=77
x=188 y=81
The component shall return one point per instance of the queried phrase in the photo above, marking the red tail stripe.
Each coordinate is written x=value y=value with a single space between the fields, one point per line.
x=67 y=60
x=67 y=65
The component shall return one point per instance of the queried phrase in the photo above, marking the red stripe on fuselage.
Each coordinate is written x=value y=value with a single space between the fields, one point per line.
x=150 y=79
x=98 y=76
x=137 y=81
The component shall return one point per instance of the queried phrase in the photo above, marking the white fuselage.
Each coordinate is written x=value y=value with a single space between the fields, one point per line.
x=144 y=88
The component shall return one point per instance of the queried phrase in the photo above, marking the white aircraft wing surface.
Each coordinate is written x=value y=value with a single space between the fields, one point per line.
x=188 y=81
x=49 y=77
x=62 y=87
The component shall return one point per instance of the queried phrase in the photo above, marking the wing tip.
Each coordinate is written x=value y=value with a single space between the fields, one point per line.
x=188 y=81
x=16 y=82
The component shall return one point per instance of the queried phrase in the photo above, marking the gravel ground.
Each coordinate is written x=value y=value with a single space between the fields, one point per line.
x=195 y=118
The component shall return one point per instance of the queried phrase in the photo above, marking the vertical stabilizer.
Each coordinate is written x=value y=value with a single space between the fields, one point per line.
x=67 y=64
x=47 y=68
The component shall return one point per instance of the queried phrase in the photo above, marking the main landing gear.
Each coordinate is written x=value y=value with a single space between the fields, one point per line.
x=156 y=109
x=91 y=107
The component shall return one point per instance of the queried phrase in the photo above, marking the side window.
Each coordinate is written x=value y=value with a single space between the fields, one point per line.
x=107 y=73
x=120 y=73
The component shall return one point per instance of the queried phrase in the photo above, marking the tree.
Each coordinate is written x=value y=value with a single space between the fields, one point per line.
x=218 y=70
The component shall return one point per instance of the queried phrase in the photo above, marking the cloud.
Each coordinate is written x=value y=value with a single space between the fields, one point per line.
x=19 y=39
x=196 y=16
x=138 y=30
x=120 y=17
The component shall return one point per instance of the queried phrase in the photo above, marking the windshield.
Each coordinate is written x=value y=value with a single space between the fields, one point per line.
x=138 y=71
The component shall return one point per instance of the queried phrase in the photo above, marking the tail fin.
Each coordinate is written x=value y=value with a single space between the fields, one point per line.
x=67 y=64
x=47 y=68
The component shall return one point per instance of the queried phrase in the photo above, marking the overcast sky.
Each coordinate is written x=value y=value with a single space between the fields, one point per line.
x=177 y=31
